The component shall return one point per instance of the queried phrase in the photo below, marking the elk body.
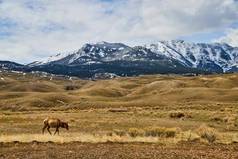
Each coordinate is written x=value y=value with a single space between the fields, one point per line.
x=54 y=123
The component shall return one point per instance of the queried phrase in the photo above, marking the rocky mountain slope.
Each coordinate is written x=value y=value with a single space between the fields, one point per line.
x=8 y=65
x=174 y=56
x=211 y=57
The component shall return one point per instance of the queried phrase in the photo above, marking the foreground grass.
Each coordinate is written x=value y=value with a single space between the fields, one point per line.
x=75 y=137
x=121 y=125
x=186 y=136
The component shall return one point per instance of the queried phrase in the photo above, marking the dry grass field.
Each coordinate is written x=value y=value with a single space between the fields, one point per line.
x=146 y=114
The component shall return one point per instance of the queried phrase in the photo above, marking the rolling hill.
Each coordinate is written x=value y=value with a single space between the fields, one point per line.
x=31 y=91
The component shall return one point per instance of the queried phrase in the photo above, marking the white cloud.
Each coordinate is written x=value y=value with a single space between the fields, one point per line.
x=179 y=17
x=230 y=38
x=38 y=28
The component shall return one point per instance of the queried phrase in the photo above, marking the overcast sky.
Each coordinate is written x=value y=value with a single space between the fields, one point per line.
x=33 y=29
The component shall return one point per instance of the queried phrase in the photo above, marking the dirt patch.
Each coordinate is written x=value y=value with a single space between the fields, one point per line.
x=117 y=150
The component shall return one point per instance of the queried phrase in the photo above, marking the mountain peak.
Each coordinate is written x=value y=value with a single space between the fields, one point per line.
x=208 y=57
x=102 y=43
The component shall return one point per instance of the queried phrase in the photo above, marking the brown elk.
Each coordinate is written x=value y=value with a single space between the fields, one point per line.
x=54 y=123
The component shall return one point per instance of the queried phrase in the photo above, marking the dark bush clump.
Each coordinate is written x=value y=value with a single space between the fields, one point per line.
x=71 y=87
x=177 y=115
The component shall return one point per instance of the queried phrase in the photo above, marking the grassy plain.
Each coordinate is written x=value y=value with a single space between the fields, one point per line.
x=159 y=109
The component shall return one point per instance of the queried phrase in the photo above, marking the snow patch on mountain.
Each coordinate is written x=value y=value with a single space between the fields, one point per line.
x=51 y=58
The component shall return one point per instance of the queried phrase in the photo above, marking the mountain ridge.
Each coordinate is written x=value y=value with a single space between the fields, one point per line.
x=175 y=56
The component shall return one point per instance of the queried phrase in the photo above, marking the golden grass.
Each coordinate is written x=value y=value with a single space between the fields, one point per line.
x=75 y=137
x=122 y=137
x=152 y=132
x=154 y=108
x=161 y=132
x=207 y=133
x=32 y=92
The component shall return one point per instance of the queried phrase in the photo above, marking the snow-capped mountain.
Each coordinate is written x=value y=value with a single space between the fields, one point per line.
x=174 y=56
x=89 y=54
x=211 y=57
x=116 y=58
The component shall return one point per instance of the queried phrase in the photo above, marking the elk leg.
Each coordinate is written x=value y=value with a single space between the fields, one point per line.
x=43 y=129
x=49 y=130
x=57 y=129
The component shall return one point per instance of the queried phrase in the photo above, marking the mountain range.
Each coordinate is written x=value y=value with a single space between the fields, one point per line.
x=175 y=56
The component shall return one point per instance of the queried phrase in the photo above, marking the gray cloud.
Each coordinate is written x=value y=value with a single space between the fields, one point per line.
x=39 y=28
